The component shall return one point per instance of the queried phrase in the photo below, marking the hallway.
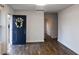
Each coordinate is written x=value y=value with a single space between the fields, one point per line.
x=49 y=47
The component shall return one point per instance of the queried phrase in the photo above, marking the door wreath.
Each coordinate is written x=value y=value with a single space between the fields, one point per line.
x=19 y=22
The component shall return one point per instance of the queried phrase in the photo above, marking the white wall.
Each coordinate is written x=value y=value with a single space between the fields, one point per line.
x=68 y=27
x=34 y=25
x=4 y=12
x=51 y=24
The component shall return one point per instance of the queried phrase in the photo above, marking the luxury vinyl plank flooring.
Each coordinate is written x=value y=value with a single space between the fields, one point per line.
x=49 y=47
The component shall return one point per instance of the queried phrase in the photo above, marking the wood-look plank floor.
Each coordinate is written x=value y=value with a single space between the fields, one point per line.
x=49 y=47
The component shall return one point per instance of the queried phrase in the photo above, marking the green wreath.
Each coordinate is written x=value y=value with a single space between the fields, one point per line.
x=19 y=22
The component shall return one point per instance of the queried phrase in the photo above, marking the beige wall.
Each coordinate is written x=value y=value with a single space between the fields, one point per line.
x=35 y=25
x=68 y=27
x=51 y=23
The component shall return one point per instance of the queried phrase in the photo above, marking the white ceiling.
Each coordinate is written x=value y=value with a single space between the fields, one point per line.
x=33 y=7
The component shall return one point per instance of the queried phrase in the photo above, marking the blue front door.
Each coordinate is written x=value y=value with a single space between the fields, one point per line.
x=19 y=30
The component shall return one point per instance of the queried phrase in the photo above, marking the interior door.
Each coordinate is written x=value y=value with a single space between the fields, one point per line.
x=19 y=30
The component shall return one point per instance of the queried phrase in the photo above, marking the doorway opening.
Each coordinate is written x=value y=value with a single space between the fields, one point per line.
x=16 y=35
